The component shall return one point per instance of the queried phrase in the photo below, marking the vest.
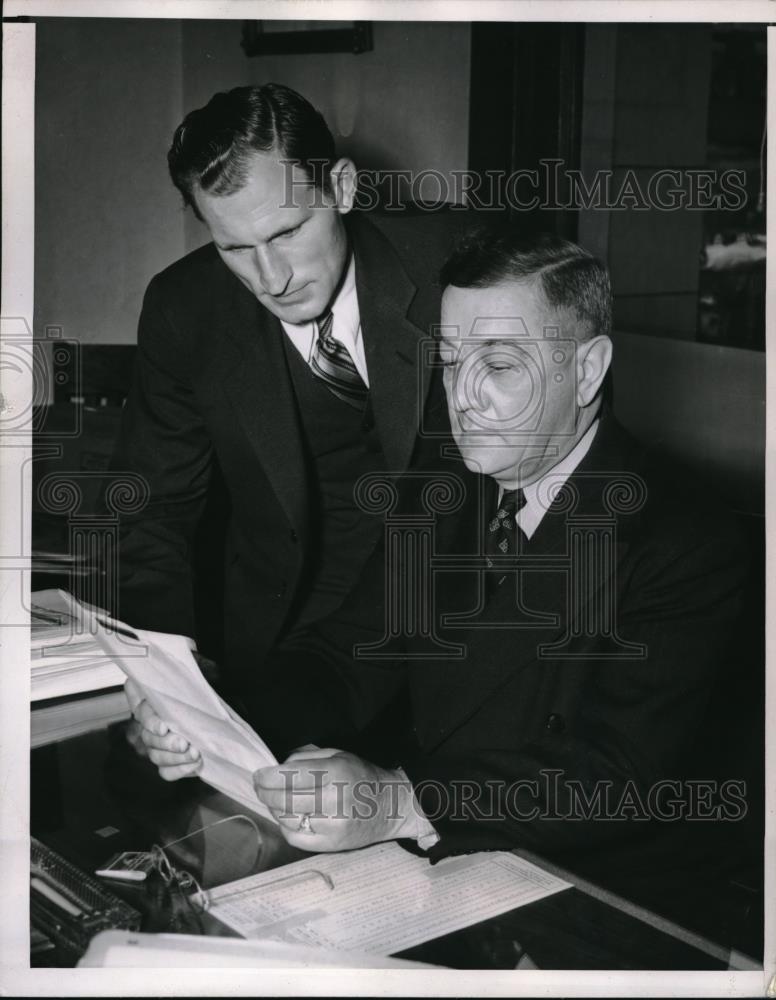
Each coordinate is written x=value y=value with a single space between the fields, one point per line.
x=341 y=445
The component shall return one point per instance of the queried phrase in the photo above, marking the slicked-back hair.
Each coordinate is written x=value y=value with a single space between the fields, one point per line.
x=213 y=146
x=569 y=277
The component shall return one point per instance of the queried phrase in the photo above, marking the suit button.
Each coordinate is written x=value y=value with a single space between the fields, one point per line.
x=293 y=536
x=282 y=589
x=368 y=425
x=555 y=723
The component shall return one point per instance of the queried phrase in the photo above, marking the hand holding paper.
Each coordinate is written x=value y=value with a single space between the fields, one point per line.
x=153 y=737
x=330 y=800
x=166 y=677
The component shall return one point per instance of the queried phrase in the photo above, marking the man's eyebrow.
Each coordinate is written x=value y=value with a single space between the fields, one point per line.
x=288 y=227
x=247 y=246
x=491 y=342
x=233 y=246
x=458 y=343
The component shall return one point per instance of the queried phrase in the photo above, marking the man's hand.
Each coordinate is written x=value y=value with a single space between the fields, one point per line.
x=152 y=737
x=330 y=800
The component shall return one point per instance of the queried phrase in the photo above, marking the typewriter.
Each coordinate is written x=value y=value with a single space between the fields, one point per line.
x=68 y=907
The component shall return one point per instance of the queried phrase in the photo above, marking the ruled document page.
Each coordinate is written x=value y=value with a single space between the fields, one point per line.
x=380 y=899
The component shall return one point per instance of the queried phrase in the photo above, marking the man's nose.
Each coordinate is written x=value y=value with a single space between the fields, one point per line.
x=465 y=391
x=457 y=396
x=274 y=271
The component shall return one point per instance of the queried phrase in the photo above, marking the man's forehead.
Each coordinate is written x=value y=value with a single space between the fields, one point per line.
x=502 y=311
x=489 y=330
x=507 y=292
x=271 y=190
x=284 y=182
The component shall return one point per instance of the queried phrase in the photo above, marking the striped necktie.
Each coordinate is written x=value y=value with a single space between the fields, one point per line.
x=331 y=363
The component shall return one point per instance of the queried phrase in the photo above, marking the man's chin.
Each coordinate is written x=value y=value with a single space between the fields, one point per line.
x=479 y=458
x=295 y=315
x=296 y=312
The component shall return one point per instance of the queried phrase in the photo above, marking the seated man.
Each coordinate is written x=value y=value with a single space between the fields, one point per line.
x=587 y=600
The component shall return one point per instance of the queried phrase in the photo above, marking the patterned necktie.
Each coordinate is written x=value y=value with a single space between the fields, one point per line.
x=331 y=363
x=501 y=533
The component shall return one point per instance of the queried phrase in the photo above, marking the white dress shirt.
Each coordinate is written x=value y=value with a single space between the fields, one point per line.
x=346 y=325
x=539 y=495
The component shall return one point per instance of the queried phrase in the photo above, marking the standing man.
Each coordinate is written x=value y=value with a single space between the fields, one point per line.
x=286 y=353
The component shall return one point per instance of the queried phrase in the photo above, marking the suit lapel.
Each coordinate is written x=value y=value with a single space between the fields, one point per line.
x=256 y=382
x=255 y=379
x=398 y=381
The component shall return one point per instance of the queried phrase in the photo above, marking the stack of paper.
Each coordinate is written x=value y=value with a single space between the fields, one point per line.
x=62 y=718
x=75 y=687
x=65 y=656
x=55 y=563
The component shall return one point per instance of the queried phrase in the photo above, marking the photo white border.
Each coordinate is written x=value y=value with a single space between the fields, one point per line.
x=16 y=295
x=17 y=289
x=405 y=10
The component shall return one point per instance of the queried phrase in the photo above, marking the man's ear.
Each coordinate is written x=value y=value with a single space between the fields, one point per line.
x=593 y=359
x=343 y=185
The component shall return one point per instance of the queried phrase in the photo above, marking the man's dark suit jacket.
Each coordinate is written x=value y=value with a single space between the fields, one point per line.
x=505 y=713
x=212 y=386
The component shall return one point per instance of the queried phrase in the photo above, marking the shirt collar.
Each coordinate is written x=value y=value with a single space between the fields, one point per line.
x=540 y=494
x=345 y=306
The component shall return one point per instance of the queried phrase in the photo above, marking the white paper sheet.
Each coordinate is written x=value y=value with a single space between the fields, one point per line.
x=130 y=949
x=164 y=668
x=380 y=899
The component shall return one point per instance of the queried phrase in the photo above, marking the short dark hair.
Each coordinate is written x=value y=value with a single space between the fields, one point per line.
x=213 y=146
x=569 y=277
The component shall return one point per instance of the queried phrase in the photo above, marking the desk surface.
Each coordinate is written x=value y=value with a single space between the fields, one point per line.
x=92 y=797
